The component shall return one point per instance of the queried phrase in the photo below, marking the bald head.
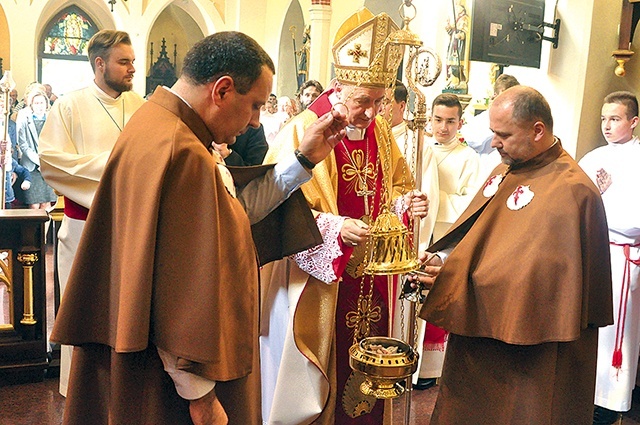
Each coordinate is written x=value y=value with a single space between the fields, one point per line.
x=528 y=105
x=521 y=121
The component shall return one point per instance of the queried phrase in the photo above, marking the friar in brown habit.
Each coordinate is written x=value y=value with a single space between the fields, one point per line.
x=526 y=282
x=162 y=302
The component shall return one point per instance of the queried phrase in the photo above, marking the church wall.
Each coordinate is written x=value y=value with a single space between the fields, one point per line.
x=562 y=74
x=631 y=81
x=177 y=28
x=574 y=78
x=275 y=17
x=250 y=18
x=600 y=79
x=286 y=71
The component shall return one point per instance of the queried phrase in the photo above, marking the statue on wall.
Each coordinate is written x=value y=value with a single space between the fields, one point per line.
x=457 y=53
x=303 y=63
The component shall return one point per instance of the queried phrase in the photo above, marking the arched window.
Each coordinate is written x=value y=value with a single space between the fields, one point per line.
x=62 y=55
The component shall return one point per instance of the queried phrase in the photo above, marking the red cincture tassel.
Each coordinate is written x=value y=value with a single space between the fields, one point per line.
x=616 y=361
x=617 y=358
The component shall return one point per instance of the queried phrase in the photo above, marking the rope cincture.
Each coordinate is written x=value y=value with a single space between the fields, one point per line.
x=616 y=360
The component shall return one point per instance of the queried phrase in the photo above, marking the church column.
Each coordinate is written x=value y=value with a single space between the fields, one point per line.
x=130 y=17
x=320 y=50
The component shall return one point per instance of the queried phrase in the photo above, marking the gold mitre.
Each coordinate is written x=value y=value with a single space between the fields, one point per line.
x=360 y=54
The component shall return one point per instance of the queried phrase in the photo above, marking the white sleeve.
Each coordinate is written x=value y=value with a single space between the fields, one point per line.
x=443 y=254
x=318 y=261
x=69 y=172
x=264 y=194
x=188 y=385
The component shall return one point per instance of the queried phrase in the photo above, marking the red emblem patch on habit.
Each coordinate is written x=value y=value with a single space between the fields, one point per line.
x=520 y=198
x=491 y=185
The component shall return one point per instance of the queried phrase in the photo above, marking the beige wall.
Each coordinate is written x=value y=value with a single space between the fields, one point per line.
x=178 y=28
x=4 y=47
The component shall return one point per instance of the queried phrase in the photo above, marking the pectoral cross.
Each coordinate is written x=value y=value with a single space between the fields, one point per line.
x=357 y=53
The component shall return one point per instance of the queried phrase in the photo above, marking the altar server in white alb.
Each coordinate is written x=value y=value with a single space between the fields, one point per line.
x=76 y=142
x=615 y=169
x=458 y=164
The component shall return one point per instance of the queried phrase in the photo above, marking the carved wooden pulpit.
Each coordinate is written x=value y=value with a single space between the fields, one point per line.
x=23 y=324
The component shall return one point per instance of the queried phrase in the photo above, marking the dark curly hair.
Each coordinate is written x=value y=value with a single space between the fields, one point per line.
x=226 y=53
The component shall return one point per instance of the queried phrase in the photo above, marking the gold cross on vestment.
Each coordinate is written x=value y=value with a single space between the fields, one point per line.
x=360 y=170
x=357 y=53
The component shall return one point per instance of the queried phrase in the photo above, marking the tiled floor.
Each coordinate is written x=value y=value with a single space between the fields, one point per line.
x=41 y=404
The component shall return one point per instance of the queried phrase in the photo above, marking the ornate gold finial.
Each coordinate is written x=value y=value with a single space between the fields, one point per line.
x=620 y=71
x=405 y=36
x=622 y=57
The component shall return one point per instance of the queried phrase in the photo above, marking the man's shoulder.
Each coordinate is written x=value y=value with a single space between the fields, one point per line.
x=133 y=96
x=591 y=158
x=465 y=152
x=381 y=123
x=572 y=177
x=468 y=150
x=74 y=94
x=303 y=120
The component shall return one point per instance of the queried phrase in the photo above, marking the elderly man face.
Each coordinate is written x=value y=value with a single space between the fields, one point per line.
x=363 y=104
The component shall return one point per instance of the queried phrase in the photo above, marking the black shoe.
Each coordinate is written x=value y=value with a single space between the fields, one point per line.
x=602 y=416
x=424 y=383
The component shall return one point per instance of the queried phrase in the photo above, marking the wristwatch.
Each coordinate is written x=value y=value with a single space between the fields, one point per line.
x=303 y=160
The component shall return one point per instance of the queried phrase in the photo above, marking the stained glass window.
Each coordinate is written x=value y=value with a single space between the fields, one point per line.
x=63 y=55
x=69 y=34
